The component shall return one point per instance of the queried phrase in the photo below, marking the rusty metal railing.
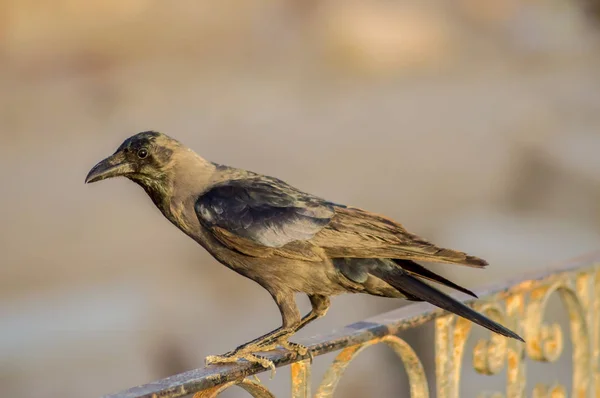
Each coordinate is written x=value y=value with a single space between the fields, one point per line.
x=519 y=304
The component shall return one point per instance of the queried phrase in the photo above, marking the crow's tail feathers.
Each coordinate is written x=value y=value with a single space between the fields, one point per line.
x=418 y=270
x=415 y=288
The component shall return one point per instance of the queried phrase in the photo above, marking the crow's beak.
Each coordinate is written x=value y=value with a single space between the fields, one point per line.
x=113 y=166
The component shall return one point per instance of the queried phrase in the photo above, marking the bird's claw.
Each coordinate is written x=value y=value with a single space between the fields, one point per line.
x=247 y=352
x=296 y=348
x=232 y=357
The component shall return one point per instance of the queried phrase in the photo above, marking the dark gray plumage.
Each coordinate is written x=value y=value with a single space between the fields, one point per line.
x=260 y=209
x=286 y=240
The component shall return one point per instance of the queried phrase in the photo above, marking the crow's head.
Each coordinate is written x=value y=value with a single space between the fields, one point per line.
x=143 y=158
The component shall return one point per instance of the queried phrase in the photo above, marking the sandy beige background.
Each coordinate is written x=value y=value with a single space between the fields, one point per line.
x=474 y=124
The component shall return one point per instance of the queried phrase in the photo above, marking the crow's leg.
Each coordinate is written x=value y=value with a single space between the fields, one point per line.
x=290 y=317
x=278 y=337
x=320 y=305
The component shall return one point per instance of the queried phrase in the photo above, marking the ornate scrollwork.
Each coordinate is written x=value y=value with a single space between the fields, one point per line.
x=416 y=375
x=489 y=356
x=544 y=342
x=254 y=388
x=452 y=333
x=579 y=291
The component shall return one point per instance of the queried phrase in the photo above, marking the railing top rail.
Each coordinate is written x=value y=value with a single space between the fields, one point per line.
x=392 y=322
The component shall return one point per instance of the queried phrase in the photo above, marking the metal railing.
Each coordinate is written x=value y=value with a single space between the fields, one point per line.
x=519 y=304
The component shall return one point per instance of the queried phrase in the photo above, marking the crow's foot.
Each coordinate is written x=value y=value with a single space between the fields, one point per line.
x=296 y=348
x=233 y=356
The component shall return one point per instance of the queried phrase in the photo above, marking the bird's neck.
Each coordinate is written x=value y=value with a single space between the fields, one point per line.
x=186 y=178
x=190 y=175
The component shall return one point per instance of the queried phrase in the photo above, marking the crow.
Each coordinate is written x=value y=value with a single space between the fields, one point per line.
x=286 y=240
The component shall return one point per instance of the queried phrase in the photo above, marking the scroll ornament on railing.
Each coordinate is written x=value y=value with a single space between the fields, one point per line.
x=301 y=373
x=525 y=306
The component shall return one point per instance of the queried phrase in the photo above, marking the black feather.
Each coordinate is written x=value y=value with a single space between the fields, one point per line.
x=413 y=287
x=422 y=272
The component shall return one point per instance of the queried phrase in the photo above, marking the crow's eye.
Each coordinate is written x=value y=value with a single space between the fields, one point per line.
x=142 y=153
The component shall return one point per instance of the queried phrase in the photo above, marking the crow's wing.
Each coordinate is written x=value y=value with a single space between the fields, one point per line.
x=356 y=233
x=262 y=216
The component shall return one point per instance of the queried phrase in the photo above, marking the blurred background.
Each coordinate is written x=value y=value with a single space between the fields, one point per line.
x=474 y=123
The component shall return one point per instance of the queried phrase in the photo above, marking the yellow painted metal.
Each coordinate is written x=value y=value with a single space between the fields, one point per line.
x=522 y=308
